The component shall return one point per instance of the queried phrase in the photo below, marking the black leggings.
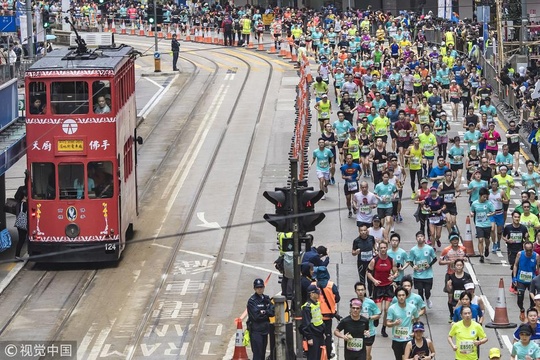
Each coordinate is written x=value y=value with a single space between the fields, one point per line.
x=534 y=151
x=424 y=287
x=23 y=234
x=418 y=175
x=362 y=270
x=399 y=349
x=442 y=149
x=466 y=102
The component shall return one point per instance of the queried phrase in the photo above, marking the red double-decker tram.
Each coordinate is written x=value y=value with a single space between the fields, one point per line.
x=81 y=153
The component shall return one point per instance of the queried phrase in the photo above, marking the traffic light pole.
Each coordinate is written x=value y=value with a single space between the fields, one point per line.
x=297 y=260
x=29 y=30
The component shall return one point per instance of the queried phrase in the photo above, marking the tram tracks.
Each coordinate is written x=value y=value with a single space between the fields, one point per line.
x=193 y=337
x=77 y=285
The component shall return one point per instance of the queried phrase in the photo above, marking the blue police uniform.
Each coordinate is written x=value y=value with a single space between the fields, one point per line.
x=260 y=309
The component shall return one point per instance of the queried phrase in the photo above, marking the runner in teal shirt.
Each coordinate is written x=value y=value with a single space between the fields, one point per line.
x=413 y=299
x=399 y=256
x=401 y=317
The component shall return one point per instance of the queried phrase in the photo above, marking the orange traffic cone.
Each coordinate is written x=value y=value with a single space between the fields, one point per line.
x=324 y=354
x=272 y=49
x=113 y=27
x=240 y=352
x=260 y=46
x=500 y=320
x=188 y=34
x=132 y=30
x=123 y=28
x=106 y=29
x=294 y=57
x=250 y=44
x=467 y=238
x=141 y=28
x=287 y=53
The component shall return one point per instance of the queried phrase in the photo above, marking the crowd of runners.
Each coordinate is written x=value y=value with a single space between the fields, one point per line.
x=386 y=100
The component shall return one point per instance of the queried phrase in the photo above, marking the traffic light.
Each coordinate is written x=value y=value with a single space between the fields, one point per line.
x=307 y=197
x=159 y=14
x=282 y=199
x=150 y=14
x=46 y=19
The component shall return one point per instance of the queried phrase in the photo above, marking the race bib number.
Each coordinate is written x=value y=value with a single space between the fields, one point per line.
x=386 y=198
x=516 y=237
x=323 y=163
x=381 y=131
x=366 y=255
x=434 y=219
x=365 y=149
x=481 y=217
x=402 y=133
x=458 y=158
x=423 y=119
x=525 y=276
x=415 y=161
x=353 y=149
x=466 y=347
x=491 y=143
x=366 y=210
x=448 y=198
x=352 y=186
x=381 y=166
x=401 y=332
x=428 y=147
x=457 y=294
x=393 y=96
x=514 y=139
x=324 y=114
x=422 y=265
x=355 y=344
x=342 y=136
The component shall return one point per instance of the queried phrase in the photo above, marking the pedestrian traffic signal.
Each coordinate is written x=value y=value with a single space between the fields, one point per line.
x=46 y=19
x=150 y=15
x=307 y=197
x=282 y=200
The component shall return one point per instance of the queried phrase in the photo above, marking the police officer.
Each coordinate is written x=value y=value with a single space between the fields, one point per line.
x=260 y=309
x=312 y=323
x=175 y=49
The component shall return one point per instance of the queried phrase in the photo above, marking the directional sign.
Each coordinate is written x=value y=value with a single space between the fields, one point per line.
x=7 y=24
x=157 y=55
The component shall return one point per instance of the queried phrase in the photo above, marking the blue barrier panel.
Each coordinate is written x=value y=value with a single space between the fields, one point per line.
x=9 y=98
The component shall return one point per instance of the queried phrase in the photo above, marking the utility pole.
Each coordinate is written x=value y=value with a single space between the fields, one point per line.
x=523 y=37
x=500 y=46
x=156 y=28
x=296 y=258
x=30 y=29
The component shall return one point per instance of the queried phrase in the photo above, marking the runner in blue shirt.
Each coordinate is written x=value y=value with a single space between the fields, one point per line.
x=481 y=212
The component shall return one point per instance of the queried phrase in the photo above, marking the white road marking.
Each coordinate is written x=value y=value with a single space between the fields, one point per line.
x=507 y=342
x=156 y=98
x=85 y=342
x=206 y=348
x=94 y=353
x=206 y=224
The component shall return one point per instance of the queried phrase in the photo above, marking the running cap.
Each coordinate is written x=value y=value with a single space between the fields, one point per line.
x=494 y=353
x=418 y=327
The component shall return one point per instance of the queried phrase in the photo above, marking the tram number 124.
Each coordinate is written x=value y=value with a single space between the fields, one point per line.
x=110 y=248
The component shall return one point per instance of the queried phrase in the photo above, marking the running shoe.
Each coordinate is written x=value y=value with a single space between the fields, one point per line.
x=354 y=210
x=413 y=196
x=486 y=251
x=323 y=197
x=399 y=218
x=450 y=320
x=383 y=332
x=495 y=248
x=428 y=241
x=481 y=259
x=439 y=243
x=522 y=315
x=429 y=303
x=332 y=181
x=350 y=214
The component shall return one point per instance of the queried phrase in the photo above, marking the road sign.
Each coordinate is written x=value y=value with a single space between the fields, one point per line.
x=157 y=55
x=21 y=104
x=7 y=24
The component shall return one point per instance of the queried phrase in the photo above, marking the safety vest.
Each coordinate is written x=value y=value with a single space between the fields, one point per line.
x=327 y=309
x=281 y=236
x=354 y=148
x=316 y=315
x=246 y=27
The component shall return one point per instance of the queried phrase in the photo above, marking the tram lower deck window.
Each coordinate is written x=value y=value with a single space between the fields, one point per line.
x=69 y=97
x=43 y=181
x=71 y=181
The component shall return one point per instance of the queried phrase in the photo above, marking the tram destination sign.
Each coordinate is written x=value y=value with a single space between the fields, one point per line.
x=8 y=24
x=70 y=145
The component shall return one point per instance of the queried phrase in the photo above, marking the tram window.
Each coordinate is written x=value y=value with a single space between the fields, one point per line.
x=71 y=181
x=100 y=173
x=70 y=97
x=101 y=96
x=37 y=98
x=43 y=181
